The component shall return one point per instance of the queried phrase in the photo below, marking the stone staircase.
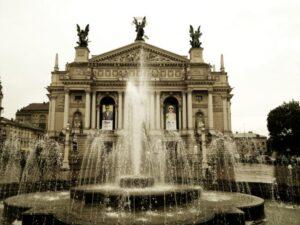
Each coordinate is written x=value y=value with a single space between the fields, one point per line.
x=76 y=155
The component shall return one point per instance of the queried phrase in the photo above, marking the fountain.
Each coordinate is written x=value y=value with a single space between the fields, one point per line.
x=42 y=166
x=139 y=181
x=11 y=161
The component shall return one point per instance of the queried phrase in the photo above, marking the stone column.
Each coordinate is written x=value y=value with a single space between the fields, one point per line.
x=210 y=111
x=204 y=152
x=120 y=110
x=53 y=103
x=94 y=110
x=49 y=115
x=190 y=110
x=116 y=118
x=184 y=110
x=225 y=116
x=162 y=121
x=66 y=165
x=87 y=109
x=66 y=109
x=229 y=114
x=157 y=108
x=152 y=111
x=98 y=118
x=125 y=122
x=180 y=118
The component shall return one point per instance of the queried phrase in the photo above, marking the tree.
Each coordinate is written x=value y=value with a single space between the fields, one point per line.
x=284 y=128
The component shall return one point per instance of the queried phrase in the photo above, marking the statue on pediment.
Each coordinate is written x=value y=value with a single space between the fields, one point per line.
x=82 y=35
x=139 y=28
x=195 y=36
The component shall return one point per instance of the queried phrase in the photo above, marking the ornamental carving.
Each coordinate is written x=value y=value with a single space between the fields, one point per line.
x=134 y=72
x=80 y=72
x=60 y=103
x=137 y=55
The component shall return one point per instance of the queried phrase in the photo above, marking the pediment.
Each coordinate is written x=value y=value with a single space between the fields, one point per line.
x=133 y=53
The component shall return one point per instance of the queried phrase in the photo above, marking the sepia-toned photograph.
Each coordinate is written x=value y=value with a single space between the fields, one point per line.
x=139 y=112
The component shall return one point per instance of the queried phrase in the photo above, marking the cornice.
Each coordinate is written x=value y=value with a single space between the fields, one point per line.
x=136 y=65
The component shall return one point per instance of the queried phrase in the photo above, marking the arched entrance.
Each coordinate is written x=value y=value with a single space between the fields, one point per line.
x=107 y=113
x=171 y=114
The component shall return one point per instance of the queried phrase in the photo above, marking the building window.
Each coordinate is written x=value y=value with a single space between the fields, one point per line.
x=42 y=125
x=78 y=98
x=199 y=98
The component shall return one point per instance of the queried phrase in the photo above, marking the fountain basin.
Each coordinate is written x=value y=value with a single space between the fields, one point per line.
x=136 y=198
x=56 y=208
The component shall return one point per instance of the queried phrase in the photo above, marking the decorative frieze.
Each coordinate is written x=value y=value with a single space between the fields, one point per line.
x=113 y=73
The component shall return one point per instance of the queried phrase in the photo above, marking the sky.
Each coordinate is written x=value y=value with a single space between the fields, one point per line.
x=259 y=40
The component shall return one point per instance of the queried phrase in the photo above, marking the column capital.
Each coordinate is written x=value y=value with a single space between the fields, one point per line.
x=210 y=91
x=224 y=96
x=52 y=97
x=152 y=92
x=87 y=90
x=66 y=90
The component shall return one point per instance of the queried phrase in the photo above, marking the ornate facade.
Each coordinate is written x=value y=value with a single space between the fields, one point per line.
x=200 y=94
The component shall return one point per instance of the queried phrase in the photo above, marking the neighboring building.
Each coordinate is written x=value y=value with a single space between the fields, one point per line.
x=81 y=95
x=26 y=133
x=35 y=114
x=10 y=129
x=1 y=97
x=250 y=144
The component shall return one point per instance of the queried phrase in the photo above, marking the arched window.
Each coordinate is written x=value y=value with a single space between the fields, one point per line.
x=171 y=114
x=107 y=113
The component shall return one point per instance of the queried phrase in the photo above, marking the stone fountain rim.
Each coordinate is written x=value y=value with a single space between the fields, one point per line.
x=104 y=189
x=255 y=203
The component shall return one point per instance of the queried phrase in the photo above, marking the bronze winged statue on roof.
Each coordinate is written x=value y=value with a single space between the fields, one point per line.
x=82 y=36
x=139 y=28
x=195 y=37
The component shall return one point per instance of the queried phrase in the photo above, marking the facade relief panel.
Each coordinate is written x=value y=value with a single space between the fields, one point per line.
x=79 y=73
x=60 y=103
x=134 y=72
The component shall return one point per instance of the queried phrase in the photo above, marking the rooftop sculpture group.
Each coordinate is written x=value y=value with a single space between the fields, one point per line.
x=140 y=33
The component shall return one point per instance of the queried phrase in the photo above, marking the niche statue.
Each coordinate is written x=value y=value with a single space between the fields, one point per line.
x=139 y=28
x=195 y=36
x=82 y=36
